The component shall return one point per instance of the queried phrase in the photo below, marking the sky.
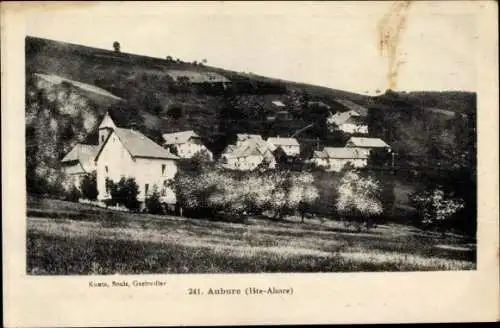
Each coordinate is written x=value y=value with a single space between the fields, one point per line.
x=325 y=43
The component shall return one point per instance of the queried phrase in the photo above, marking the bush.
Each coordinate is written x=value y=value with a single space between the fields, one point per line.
x=73 y=194
x=359 y=199
x=123 y=193
x=88 y=186
x=153 y=203
x=435 y=209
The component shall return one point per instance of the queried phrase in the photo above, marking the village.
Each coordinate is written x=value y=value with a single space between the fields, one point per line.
x=141 y=164
x=126 y=152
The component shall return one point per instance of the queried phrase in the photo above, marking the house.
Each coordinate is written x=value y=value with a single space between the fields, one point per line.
x=185 y=144
x=290 y=146
x=247 y=154
x=336 y=158
x=79 y=162
x=349 y=122
x=240 y=137
x=129 y=153
x=368 y=143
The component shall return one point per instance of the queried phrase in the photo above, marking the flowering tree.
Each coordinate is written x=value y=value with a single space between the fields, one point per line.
x=434 y=208
x=359 y=198
x=302 y=193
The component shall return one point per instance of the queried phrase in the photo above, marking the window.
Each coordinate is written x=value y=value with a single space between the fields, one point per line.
x=163 y=167
x=106 y=168
x=102 y=138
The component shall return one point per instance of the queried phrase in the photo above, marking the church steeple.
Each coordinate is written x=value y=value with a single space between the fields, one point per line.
x=105 y=128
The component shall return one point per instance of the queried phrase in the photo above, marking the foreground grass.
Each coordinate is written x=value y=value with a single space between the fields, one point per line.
x=66 y=238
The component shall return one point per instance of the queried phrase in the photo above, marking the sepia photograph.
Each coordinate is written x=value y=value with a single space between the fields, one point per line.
x=249 y=162
x=147 y=158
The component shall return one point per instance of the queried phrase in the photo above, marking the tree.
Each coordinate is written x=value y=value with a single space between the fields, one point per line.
x=128 y=190
x=88 y=186
x=153 y=203
x=435 y=208
x=73 y=195
x=359 y=199
x=174 y=111
x=123 y=193
x=116 y=46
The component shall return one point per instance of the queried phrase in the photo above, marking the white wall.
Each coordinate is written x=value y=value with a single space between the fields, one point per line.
x=149 y=171
x=244 y=163
x=118 y=161
x=188 y=150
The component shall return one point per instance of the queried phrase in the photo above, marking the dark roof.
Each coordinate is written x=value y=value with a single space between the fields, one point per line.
x=82 y=153
x=138 y=145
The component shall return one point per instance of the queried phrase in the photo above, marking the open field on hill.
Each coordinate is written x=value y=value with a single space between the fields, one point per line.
x=70 y=238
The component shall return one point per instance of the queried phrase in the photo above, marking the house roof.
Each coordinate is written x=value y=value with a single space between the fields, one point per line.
x=245 y=136
x=288 y=152
x=179 y=137
x=363 y=111
x=367 y=142
x=138 y=145
x=345 y=153
x=250 y=147
x=319 y=154
x=278 y=103
x=283 y=141
x=84 y=154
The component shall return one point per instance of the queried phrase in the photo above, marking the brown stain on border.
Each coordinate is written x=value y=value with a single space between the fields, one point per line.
x=389 y=29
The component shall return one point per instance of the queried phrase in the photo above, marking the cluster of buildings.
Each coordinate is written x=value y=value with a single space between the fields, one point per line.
x=127 y=152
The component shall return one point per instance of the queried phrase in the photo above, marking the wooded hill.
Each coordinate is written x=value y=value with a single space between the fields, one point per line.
x=424 y=128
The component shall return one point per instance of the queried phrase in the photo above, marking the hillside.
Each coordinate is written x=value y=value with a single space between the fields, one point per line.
x=168 y=95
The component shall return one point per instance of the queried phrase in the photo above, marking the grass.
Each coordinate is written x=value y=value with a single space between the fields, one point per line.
x=69 y=238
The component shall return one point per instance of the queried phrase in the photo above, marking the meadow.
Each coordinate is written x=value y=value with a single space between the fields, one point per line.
x=65 y=238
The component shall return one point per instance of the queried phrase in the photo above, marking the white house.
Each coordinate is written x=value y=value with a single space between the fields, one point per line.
x=129 y=153
x=79 y=162
x=336 y=158
x=368 y=144
x=247 y=154
x=348 y=122
x=185 y=144
x=290 y=146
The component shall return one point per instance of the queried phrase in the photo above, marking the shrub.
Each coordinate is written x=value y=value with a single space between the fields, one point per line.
x=435 y=209
x=359 y=198
x=153 y=203
x=88 y=186
x=73 y=194
x=123 y=193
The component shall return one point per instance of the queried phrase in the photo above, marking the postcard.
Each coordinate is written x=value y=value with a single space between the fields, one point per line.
x=214 y=163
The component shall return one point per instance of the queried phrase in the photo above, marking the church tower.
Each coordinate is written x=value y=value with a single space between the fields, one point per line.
x=105 y=128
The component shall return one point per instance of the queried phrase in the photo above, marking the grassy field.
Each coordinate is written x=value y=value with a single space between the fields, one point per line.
x=69 y=238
